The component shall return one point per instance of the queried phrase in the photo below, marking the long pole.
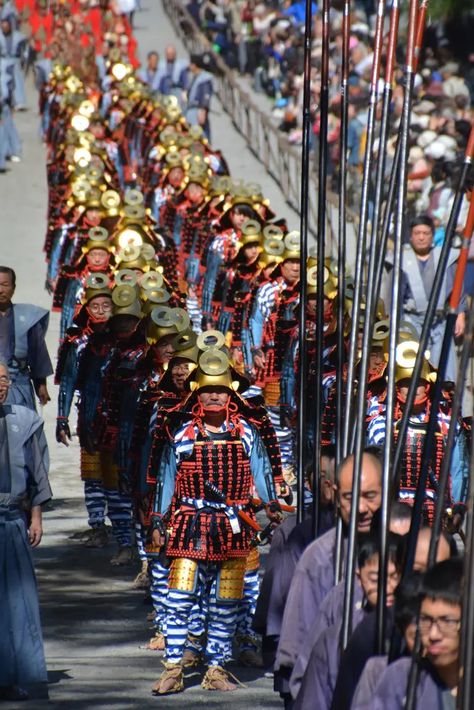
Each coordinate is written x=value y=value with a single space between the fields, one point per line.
x=341 y=263
x=465 y=697
x=303 y=353
x=432 y=303
x=378 y=253
x=323 y=158
x=389 y=206
x=459 y=390
x=367 y=333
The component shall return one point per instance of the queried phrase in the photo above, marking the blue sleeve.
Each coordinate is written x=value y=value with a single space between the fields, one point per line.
x=262 y=470
x=459 y=469
x=165 y=480
x=38 y=356
x=67 y=383
x=256 y=323
x=204 y=96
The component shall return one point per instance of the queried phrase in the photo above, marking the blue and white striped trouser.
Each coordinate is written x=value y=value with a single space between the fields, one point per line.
x=285 y=436
x=119 y=510
x=140 y=541
x=221 y=618
x=247 y=606
x=159 y=591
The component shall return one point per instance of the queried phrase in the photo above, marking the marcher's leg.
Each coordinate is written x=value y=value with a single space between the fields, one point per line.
x=186 y=578
x=119 y=510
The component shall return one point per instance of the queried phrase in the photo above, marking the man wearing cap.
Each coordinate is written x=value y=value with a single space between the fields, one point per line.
x=84 y=347
x=22 y=344
x=204 y=515
x=95 y=258
x=416 y=434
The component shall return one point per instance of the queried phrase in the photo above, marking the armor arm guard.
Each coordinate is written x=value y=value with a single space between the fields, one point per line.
x=262 y=471
x=165 y=481
x=67 y=382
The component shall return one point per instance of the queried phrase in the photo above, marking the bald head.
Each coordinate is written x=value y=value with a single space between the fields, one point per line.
x=170 y=53
x=370 y=489
x=420 y=563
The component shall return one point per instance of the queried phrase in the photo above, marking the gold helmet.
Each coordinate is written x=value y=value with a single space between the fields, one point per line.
x=165 y=321
x=97 y=284
x=292 y=243
x=124 y=298
x=405 y=356
x=98 y=238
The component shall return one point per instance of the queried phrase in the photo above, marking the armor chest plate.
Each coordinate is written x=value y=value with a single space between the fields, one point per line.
x=222 y=462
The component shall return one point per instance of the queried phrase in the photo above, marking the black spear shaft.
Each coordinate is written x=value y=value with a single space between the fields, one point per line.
x=341 y=264
x=367 y=332
x=465 y=696
x=432 y=305
x=323 y=157
x=377 y=255
x=388 y=212
x=303 y=353
x=457 y=399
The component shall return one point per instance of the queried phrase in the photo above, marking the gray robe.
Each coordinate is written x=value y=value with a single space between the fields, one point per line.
x=374 y=668
x=22 y=346
x=319 y=681
x=390 y=693
x=312 y=581
x=330 y=614
x=24 y=482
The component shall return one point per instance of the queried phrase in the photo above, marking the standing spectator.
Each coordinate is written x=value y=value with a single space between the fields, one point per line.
x=199 y=93
x=24 y=464
x=152 y=73
x=22 y=344
x=12 y=46
x=173 y=75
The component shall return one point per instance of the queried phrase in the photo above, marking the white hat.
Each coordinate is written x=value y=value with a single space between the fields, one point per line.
x=424 y=107
x=425 y=138
x=435 y=150
x=448 y=141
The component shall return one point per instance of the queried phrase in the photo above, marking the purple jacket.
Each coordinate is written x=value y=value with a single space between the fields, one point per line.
x=267 y=614
x=390 y=692
x=313 y=579
x=363 y=696
x=330 y=615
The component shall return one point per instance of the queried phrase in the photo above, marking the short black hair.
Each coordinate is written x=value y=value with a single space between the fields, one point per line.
x=153 y=53
x=400 y=511
x=443 y=581
x=423 y=219
x=407 y=600
x=8 y=270
x=368 y=545
x=249 y=212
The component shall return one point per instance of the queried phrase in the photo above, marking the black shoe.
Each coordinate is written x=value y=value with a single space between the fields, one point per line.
x=13 y=692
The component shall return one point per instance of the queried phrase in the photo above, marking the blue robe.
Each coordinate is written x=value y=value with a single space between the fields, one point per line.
x=330 y=614
x=22 y=346
x=24 y=464
x=390 y=692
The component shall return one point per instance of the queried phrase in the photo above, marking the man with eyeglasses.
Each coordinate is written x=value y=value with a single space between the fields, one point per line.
x=24 y=487
x=439 y=625
x=23 y=329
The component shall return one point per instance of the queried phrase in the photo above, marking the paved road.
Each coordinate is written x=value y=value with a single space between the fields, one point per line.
x=94 y=622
